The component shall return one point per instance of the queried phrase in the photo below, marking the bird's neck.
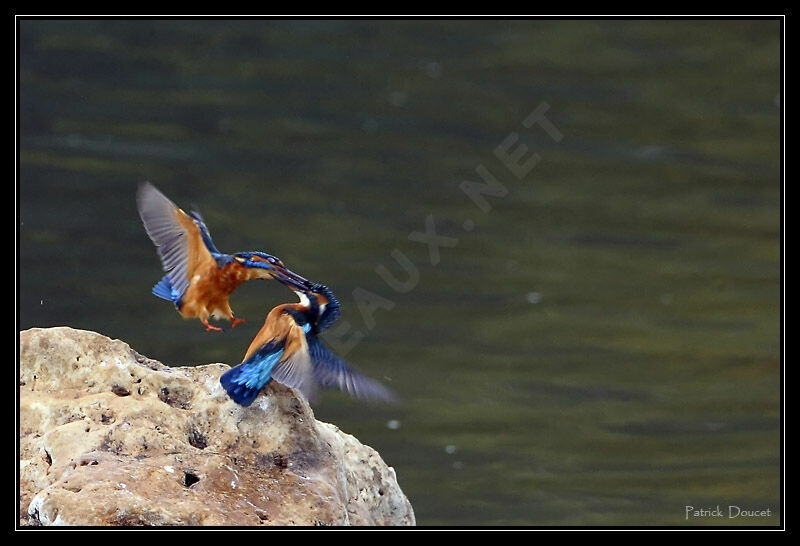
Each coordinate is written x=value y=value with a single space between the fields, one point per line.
x=329 y=308
x=309 y=305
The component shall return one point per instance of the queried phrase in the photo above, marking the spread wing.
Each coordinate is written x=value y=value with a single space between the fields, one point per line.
x=330 y=371
x=182 y=244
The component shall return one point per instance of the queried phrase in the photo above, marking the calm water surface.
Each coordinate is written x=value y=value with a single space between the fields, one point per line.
x=600 y=344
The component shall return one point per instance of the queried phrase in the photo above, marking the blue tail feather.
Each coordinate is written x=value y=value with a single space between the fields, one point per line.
x=163 y=289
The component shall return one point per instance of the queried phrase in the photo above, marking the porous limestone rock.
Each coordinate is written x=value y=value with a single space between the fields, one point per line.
x=109 y=437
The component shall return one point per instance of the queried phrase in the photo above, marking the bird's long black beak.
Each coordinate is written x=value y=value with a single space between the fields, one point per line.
x=292 y=279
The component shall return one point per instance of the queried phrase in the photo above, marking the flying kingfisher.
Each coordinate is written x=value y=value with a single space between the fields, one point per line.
x=199 y=278
x=288 y=349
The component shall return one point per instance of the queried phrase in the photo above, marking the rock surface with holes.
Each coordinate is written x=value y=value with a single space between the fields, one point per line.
x=109 y=437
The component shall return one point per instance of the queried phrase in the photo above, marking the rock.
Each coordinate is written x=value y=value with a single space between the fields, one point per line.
x=109 y=437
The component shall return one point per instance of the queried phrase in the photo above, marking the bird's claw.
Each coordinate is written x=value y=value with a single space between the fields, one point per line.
x=210 y=328
x=235 y=321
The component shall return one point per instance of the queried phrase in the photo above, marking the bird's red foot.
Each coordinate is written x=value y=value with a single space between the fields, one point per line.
x=210 y=328
x=235 y=321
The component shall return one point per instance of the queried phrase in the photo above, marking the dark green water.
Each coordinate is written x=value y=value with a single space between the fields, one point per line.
x=601 y=348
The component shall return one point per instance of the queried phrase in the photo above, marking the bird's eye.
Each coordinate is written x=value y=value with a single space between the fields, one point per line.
x=239 y=259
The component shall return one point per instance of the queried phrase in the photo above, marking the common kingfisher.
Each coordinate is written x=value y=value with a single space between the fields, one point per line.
x=289 y=350
x=199 y=278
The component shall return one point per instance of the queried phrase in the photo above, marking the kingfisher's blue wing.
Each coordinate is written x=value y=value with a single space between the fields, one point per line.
x=330 y=371
x=245 y=381
x=179 y=240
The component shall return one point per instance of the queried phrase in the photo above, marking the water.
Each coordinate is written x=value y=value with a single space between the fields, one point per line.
x=599 y=346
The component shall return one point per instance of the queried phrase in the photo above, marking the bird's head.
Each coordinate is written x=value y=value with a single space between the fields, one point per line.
x=258 y=260
x=317 y=298
x=329 y=308
x=265 y=266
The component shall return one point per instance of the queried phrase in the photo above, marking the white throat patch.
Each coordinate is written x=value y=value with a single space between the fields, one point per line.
x=303 y=299
x=306 y=303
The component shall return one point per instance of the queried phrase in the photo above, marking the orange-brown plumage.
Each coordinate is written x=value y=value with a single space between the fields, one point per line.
x=279 y=324
x=211 y=286
x=198 y=256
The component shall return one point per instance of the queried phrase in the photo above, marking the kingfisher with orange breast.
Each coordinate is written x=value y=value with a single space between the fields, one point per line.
x=199 y=278
x=289 y=350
